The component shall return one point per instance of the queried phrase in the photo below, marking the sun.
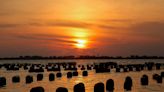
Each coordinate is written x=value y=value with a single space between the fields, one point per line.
x=81 y=43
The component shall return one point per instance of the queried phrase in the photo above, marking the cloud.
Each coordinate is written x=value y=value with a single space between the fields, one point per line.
x=148 y=28
x=69 y=24
x=65 y=23
x=4 y=14
x=60 y=23
x=116 y=20
x=108 y=27
x=8 y=25
x=73 y=24
x=36 y=24
x=55 y=38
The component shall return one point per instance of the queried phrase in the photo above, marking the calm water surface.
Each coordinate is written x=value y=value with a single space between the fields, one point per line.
x=89 y=81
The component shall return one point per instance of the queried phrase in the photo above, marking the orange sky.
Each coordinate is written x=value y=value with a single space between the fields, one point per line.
x=71 y=27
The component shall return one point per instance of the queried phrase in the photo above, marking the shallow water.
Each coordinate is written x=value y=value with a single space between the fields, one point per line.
x=89 y=81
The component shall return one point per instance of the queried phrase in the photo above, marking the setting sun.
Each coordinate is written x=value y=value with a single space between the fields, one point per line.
x=85 y=44
x=81 y=43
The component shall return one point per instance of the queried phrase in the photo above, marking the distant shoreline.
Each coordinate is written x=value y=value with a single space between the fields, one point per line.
x=79 y=57
x=72 y=59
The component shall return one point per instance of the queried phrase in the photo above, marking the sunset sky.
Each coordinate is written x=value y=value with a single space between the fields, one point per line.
x=81 y=27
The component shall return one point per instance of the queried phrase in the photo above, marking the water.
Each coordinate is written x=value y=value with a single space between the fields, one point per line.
x=89 y=81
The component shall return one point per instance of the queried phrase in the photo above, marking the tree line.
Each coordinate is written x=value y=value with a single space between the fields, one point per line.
x=81 y=57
